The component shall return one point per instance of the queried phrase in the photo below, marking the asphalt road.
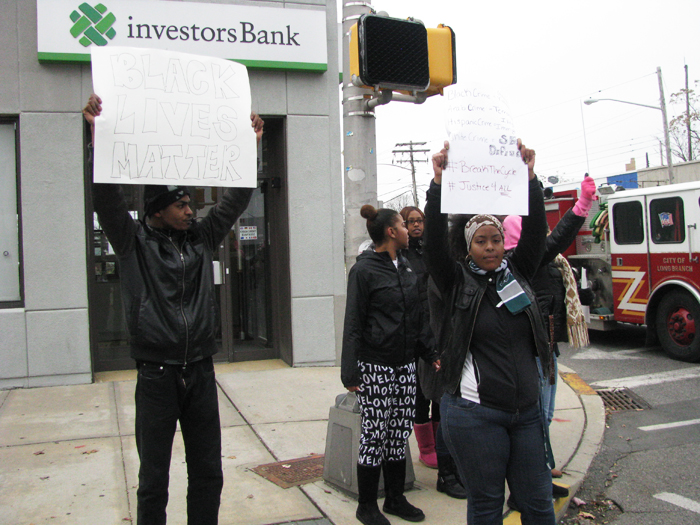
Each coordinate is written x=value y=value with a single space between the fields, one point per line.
x=648 y=468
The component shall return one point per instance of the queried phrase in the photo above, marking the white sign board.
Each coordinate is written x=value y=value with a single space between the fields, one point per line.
x=172 y=118
x=248 y=233
x=485 y=173
x=258 y=36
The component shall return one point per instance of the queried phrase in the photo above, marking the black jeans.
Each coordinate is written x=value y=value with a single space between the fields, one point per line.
x=164 y=395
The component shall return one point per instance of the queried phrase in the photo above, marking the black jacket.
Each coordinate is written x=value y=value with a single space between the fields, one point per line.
x=384 y=320
x=167 y=279
x=462 y=293
x=414 y=255
x=548 y=281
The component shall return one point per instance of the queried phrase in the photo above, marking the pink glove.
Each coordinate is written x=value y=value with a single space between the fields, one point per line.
x=513 y=224
x=587 y=197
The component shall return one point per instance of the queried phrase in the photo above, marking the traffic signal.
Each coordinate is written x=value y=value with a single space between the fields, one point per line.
x=389 y=53
x=442 y=57
x=402 y=55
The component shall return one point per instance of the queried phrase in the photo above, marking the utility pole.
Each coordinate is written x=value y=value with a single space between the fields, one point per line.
x=411 y=160
x=669 y=155
x=687 y=115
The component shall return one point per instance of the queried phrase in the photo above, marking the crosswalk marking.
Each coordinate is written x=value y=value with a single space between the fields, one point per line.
x=675 y=424
x=680 y=501
x=618 y=355
x=649 y=379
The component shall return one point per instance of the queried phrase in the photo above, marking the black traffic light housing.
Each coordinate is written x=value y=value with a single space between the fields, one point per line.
x=389 y=53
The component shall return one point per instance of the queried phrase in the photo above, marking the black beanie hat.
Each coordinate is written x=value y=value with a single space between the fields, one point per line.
x=157 y=197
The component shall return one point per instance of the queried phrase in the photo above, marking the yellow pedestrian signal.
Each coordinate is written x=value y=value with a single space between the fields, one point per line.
x=442 y=58
x=402 y=55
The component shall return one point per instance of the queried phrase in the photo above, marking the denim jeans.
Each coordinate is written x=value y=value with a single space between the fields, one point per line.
x=549 y=393
x=164 y=395
x=491 y=447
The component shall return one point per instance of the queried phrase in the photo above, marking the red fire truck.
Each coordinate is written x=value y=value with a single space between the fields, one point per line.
x=639 y=253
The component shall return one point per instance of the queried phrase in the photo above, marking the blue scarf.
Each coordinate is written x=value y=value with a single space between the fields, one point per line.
x=509 y=290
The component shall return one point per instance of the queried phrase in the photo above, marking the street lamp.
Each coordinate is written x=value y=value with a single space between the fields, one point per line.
x=661 y=108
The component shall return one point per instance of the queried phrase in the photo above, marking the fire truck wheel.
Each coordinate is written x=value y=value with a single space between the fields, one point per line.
x=675 y=325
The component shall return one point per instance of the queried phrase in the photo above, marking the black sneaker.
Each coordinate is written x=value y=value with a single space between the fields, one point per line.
x=558 y=491
x=449 y=485
x=399 y=506
x=368 y=514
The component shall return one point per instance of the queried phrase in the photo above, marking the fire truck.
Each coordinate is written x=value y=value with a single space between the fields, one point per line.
x=638 y=251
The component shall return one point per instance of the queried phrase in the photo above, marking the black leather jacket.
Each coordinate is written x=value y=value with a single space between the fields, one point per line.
x=167 y=277
x=384 y=319
x=463 y=293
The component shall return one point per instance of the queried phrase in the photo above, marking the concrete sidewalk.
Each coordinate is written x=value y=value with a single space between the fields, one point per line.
x=68 y=454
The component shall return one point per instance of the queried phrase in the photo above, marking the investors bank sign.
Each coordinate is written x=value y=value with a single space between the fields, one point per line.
x=258 y=37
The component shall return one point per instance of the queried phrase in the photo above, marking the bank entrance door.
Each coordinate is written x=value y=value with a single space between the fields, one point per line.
x=242 y=277
x=255 y=313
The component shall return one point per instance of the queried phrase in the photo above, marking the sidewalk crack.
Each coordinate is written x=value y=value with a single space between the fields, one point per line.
x=121 y=449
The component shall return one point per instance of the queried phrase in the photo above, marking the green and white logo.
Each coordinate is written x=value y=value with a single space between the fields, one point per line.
x=92 y=25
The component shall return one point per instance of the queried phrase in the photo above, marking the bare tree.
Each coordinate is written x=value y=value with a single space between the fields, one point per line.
x=687 y=122
x=399 y=202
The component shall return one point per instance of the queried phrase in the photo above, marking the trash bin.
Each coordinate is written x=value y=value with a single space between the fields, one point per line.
x=342 y=444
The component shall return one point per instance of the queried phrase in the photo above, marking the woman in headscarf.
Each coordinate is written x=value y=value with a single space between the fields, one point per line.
x=492 y=332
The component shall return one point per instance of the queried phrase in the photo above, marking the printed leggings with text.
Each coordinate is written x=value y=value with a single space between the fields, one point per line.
x=388 y=406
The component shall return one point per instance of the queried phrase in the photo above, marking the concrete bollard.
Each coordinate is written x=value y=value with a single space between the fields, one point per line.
x=342 y=444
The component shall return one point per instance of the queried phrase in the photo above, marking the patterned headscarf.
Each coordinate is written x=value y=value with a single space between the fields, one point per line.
x=509 y=290
x=477 y=222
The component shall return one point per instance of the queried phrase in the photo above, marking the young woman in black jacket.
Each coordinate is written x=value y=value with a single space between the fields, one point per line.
x=490 y=413
x=383 y=334
x=425 y=425
x=431 y=445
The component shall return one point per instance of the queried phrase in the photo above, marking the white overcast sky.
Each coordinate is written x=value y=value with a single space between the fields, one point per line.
x=546 y=57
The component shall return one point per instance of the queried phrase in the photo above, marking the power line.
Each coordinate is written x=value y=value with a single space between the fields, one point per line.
x=411 y=160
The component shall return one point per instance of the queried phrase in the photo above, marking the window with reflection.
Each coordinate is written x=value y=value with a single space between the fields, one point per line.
x=667 y=220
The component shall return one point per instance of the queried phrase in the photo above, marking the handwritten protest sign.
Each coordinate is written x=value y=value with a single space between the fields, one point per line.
x=485 y=173
x=172 y=118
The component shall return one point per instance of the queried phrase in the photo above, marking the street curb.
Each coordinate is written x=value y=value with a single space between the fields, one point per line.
x=591 y=439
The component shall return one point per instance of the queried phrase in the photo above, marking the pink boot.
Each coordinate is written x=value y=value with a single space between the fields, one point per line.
x=426 y=444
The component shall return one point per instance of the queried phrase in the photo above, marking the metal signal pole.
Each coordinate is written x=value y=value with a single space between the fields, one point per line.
x=359 y=143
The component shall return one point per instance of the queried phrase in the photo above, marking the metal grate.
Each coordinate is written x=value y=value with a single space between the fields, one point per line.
x=293 y=472
x=622 y=399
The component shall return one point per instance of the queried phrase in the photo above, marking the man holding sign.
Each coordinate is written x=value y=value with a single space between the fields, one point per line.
x=170 y=303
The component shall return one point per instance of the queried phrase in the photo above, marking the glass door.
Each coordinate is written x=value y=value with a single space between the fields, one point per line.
x=109 y=333
x=249 y=257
